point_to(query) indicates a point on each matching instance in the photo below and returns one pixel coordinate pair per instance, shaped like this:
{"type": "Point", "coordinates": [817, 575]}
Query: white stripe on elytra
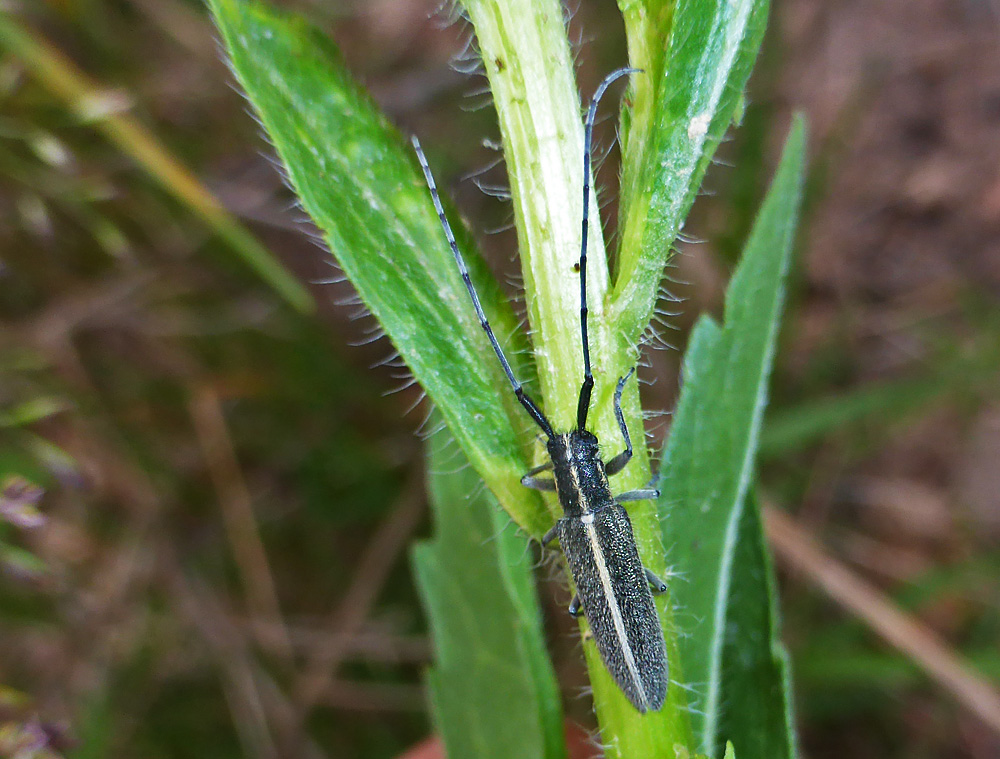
{"type": "Point", "coordinates": [581, 502]}
{"type": "Point", "coordinates": [616, 614]}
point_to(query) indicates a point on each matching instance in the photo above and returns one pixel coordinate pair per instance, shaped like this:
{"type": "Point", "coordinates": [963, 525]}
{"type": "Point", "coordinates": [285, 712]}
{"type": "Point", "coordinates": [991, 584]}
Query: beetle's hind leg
{"type": "Point", "coordinates": [539, 483]}
{"type": "Point", "coordinates": [655, 583]}
{"type": "Point", "coordinates": [575, 606]}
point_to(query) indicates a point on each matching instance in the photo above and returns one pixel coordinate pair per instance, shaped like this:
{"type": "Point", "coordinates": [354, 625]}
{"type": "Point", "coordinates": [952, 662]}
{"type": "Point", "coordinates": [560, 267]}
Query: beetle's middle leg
{"type": "Point", "coordinates": [551, 534]}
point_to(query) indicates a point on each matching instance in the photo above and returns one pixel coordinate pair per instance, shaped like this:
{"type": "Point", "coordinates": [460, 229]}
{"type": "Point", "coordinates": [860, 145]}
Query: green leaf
{"type": "Point", "coordinates": [951, 373]}
{"type": "Point", "coordinates": [362, 187]}
{"type": "Point", "coordinates": [493, 690]}
{"type": "Point", "coordinates": [755, 672]}
{"type": "Point", "coordinates": [707, 471]}
{"type": "Point", "coordinates": [32, 411]}
{"type": "Point", "coordinates": [681, 108]}
{"type": "Point", "coordinates": [529, 63]}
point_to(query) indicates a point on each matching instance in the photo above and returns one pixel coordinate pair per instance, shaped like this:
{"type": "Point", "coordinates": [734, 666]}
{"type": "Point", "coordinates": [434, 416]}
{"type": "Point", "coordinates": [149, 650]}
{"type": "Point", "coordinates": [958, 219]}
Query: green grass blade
{"type": "Point", "coordinates": [708, 464]}
{"type": "Point", "coordinates": [793, 428]}
{"type": "Point", "coordinates": [951, 374]}
{"type": "Point", "coordinates": [682, 106]}
{"type": "Point", "coordinates": [361, 185]}
{"type": "Point", "coordinates": [493, 690]}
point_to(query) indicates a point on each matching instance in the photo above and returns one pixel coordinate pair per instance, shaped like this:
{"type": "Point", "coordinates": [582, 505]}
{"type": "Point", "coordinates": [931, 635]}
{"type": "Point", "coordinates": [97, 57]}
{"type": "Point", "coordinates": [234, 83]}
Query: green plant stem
{"type": "Point", "coordinates": [528, 61]}
{"type": "Point", "coordinates": [527, 58]}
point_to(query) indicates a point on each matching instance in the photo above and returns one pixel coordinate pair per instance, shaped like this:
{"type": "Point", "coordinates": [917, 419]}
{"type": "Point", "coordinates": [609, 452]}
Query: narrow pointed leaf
{"type": "Point", "coordinates": [755, 675]}
{"type": "Point", "coordinates": [493, 690]}
{"type": "Point", "coordinates": [691, 92]}
{"type": "Point", "coordinates": [707, 471]}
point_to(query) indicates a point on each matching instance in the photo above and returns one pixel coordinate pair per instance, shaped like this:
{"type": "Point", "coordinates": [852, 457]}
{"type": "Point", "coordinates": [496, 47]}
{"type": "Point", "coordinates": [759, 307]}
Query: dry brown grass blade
{"type": "Point", "coordinates": [250, 717]}
{"type": "Point", "coordinates": [241, 524]}
{"type": "Point", "coordinates": [381, 553]}
{"type": "Point", "coordinates": [797, 549]}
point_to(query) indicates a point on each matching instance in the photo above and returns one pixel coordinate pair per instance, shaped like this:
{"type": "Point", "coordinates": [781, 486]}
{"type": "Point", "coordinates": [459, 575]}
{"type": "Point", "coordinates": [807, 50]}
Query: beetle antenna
{"type": "Point", "coordinates": [522, 396]}
{"type": "Point", "coordinates": [588, 376]}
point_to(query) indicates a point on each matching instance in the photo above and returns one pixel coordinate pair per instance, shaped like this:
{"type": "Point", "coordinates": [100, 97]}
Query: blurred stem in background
{"type": "Point", "coordinates": [104, 109]}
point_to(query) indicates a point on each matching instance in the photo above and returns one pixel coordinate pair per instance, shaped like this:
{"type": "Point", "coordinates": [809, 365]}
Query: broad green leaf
{"type": "Point", "coordinates": [707, 471]}
{"type": "Point", "coordinates": [362, 186]}
{"type": "Point", "coordinates": [493, 690]}
{"type": "Point", "coordinates": [691, 92]}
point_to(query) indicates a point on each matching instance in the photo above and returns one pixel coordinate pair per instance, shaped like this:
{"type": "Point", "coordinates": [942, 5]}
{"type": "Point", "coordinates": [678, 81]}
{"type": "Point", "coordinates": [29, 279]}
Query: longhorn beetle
{"type": "Point", "coordinates": [595, 533]}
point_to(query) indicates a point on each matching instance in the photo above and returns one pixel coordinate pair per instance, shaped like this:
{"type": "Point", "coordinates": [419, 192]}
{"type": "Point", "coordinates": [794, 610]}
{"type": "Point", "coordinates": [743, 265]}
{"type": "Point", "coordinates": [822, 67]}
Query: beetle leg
{"type": "Point", "coordinates": [655, 582]}
{"type": "Point", "coordinates": [642, 494]}
{"type": "Point", "coordinates": [539, 483]}
{"type": "Point", "coordinates": [648, 493]}
{"type": "Point", "coordinates": [574, 606]}
{"type": "Point", "coordinates": [618, 462]}
{"type": "Point", "coordinates": [550, 535]}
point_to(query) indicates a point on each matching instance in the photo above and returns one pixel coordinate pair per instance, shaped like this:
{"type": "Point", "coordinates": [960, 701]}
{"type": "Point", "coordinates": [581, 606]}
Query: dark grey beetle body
{"type": "Point", "coordinates": [596, 537]}
{"type": "Point", "coordinates": [595, 532]}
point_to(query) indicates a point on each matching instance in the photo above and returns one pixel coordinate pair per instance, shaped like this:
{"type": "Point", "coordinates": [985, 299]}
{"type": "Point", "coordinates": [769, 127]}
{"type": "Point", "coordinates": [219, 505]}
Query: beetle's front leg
{"type": "Point", "coordinates": [618, 462]}
{"type": "Point", "coordinates": [642, 494]}
{"type": "Point", "coordinates": [648, 493]}
{"type": "Point", "coordinates": [539, 483]}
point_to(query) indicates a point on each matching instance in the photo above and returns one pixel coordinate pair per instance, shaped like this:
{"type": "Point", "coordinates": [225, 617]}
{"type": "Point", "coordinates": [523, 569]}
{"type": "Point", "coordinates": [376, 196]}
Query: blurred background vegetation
{"type": "Point", "coordinates": [208, 494]}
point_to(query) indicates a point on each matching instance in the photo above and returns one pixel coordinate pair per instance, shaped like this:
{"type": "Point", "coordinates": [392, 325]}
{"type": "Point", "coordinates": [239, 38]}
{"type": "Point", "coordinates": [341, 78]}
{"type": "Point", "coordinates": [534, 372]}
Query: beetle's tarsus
{"type": "Point", "coordinates": [655, 583]}
{"type": "Point", "coordinates": [574, 607]}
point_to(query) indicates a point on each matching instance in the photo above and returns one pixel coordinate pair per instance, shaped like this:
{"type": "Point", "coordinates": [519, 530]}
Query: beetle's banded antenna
{"type": "Point", "coordinates": [522, 396]}
{"type": "Point", "coordinates": [583, 406]}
